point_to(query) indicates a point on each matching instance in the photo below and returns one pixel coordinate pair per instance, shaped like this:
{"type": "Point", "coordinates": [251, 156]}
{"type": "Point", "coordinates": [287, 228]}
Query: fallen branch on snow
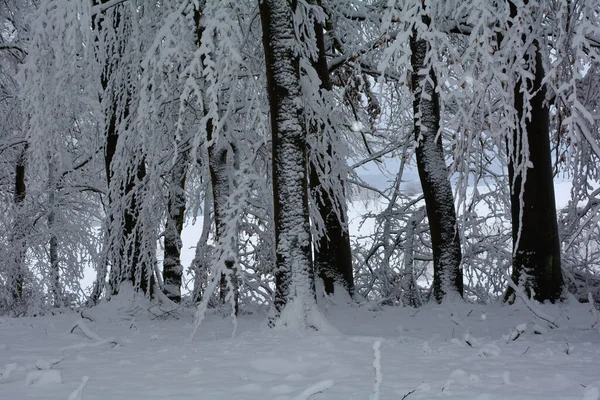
{"type": "Point", "coordinates": [90, 335]}
{"type": "Point", "coordinates": [80, 346]}
{"type": "Point", "coordinates": [529, 303]}
{"type": "Point", "coordinates": [314, 389]}
{"type": "Point", "coordinates": [85, 330]}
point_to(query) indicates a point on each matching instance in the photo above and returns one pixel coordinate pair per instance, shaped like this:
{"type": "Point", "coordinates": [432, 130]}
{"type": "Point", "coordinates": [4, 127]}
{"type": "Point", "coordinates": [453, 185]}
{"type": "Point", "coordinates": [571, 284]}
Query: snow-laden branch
{"type": "Point", "coordinates": [530, 303]}
{"type": "Point", "coordinates": [318, 387]}
{"type": "Point", "coordinates": [99, 8]}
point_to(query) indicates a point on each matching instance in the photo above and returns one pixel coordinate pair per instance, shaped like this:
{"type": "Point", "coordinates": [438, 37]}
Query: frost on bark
{"type": "Point", "coordinates": [536, 264]}
{"type": "Point", "coordinates": [433, 173]}
{"type": "Point", "coordinates": [333, 255]}
{"type": "Point", "coordinates": [53, 242]}
{"type": "Point", "coordinates": [172, 268]}
{"type": "Point", "coordinates": [220, 160]}
{"type": "Point", "coordinates": [18, 235]}
{"type": "Point", "coordinates": [294, 277]}
{"type": "Point", "coordinates": [126, 262]}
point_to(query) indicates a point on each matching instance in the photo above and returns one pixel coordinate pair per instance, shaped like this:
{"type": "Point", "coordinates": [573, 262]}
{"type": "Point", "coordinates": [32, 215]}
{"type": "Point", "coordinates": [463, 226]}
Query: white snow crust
{"type": "Point", "coordinates": [366, 356]}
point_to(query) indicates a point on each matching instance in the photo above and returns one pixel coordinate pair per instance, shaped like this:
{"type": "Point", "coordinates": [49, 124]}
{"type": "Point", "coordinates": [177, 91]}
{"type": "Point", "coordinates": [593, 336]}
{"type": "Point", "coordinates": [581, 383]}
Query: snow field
{"type": "Point", "coordinates": [457, 351]}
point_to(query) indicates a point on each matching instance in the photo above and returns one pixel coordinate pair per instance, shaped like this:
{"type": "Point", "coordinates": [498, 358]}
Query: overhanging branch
{"type": "Point", "coordinates": [98, 8]}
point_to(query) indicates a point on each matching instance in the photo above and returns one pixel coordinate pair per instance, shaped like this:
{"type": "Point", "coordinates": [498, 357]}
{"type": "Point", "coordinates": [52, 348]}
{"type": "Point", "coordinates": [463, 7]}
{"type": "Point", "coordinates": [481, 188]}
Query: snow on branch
{"type": "Point", "coordinates": [530, 303]}
{"type": "Point", "coordinates": [98, 341]}
{"type": "Point", "coordinates": [318, 387]}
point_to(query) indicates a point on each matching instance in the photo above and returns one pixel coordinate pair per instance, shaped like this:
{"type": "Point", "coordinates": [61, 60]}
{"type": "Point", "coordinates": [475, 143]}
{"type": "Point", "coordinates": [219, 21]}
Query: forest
{"type": "Point", "coordinates": [126, 120]}
{"type": "Point", "coordinates": [365, 192]}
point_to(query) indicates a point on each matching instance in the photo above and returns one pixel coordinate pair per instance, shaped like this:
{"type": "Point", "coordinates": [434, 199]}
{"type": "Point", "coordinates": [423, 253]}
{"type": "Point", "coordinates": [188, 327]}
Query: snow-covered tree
{"type": "Point", "coordinates": [294, 277]}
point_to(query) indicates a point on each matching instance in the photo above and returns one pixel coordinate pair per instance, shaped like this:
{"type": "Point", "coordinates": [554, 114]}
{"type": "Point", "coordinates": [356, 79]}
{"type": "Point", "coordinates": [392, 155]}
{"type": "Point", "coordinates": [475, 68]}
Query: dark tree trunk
{"type": "Point", "coordinates": [294, 276]}
{"type": "Point", "coordinates": [536, 244]}
{"type": "Point", "coordinates": [433, 173]}
{"type": "Point", "coordinates": [536, 262]}
{"type": "Point", "coordinates": [172, 268]}
{"type": "Point", "coordinates": [132, 267]}
{"type": "Point", "coordinates": [18, 236]}
{"type": "Point", "coordinates": [333, 255]}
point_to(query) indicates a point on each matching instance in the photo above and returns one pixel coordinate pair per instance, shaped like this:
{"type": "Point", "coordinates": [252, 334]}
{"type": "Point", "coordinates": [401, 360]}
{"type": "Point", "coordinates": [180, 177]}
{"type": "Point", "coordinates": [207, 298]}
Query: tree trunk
{"type": "Point", "coordinates": [220, 157]}
{"type": "Point", "coordinates": [202, 256]}
{"type": "Point", "coordinates": [333, 255]}
{"type": "Point", "coordinates": [294, 276]}
{"type": "Point", "coordinates": [53, 242]}
{"type": "Point", "coordinates": [433, 173]}
{"type": "Point", "coordinates": [126, 264]}
{"type": "Point", "coordinates": [220, 176]}
{"type": "Point", "coordinates": [172, 268]}
{"type": "Point", "coordinates": [536, 262]}
{"type": "Point", "coordinates": [411, 296]}
{"type": "Point", "coordinates": [131, 266]}
{"type": "Point", "coordinates": [18, 236]}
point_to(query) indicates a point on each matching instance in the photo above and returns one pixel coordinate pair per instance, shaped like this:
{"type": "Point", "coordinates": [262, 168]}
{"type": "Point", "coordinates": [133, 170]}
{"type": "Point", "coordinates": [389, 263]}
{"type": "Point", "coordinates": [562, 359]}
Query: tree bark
{"type": "Point", "coordinates": [18, 235]}
{"type": "Point", "coordinates": [333, 255]}
{"type": "Point", "coordinates": [536, 264]}
{"type": "Point", "coordinates": [220, 162]}
{"type": "Point", "coordinates": [53, 242]}
{"type": "Point", "coordinates": [126, 263]}
{"type": "Point", "coordinates": [433, 173]}
{"type": "Point", "coordinates": [220, 175]}
{"type": "Point", "coordinates": [172, 268]}
{"type": "Point", "coordinates": [294, 276]}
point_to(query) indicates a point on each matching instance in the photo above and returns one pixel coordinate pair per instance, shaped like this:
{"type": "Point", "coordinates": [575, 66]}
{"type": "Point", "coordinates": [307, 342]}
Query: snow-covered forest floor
{"type": "Point", "coordinates": [128, 350]}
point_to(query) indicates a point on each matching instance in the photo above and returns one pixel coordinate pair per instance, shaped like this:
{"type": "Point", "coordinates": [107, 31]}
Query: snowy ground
{"type": "Point", "coordinates": [459, 351]}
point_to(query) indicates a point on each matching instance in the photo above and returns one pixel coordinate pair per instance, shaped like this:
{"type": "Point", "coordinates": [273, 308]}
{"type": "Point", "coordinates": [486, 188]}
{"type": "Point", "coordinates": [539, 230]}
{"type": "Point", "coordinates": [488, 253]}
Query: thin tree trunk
{"type": "Point", "coordinates": [172, 268]}
{"type": "Point", "coordinates": [18, 237]}
{"type": "Point", "coordinates": [294, 276]}
{"type": "Point", "coordinates": [433, 173]}
{"type": "Point", "coordinates": [202, 255]}
{"type": "Point", "coordinates": [410, 290]}
{"type": "Point", "coordinates": [53, 242]}
{"type": "Point", "coordinates": [220, 176]}
{"type": "Point", "coordinates": [220, 157]}
{"type": "Point", "coordinates": [333, 255]}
